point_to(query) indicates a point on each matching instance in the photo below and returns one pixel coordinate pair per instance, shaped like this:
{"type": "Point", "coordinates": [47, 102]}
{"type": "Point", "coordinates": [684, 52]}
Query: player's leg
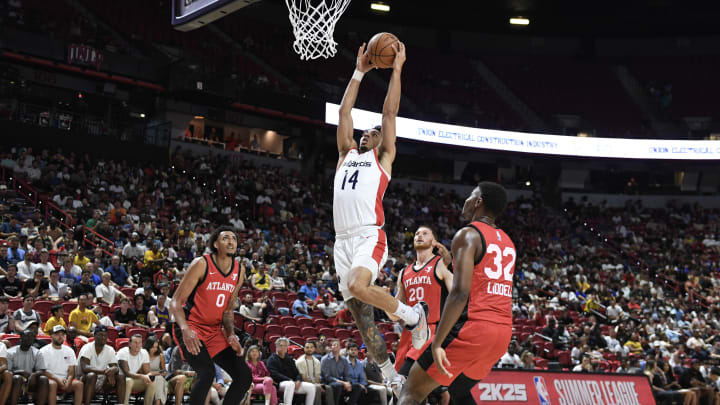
{"type": "Point", "coordinates": [239, 372]}
{"type": "Point", "coordinates": [419, 385]}
{"type": "Point", "coordinates": [406, 366]}
{"type": "Point", "coordinates": [460, 390]}
{"type": "Point", "coordinates": [203, 365]}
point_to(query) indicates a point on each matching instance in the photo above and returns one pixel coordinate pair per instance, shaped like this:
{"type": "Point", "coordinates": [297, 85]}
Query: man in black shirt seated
{"type": "Point", "coordinates": [10, 284]}
{"type": "Point", "coordinates": [85, 286]}
{"type": "Point", "coordinates": [124, 317]}
{"type": "Point", "coordinates": [36, 286]}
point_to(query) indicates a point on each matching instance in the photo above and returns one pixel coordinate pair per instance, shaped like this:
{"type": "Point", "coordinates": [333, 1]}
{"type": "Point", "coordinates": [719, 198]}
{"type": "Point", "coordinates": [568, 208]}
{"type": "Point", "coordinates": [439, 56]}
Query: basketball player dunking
{"type": "Point", "coordinates": [476, 323]}
{"type": "Point", "coordinates": [427, 279]}
{"type": "Point", "coordinates": [361, 178]}
{"type": "Point", "coordinates": [203, 310]}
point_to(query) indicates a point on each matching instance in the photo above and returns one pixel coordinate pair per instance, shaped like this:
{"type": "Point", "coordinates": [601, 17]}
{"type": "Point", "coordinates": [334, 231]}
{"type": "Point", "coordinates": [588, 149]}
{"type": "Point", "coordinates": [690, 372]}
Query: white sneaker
{"type": "Point", "coordinates": [421, 330]}
{"type": "Point", "coordinates": [397, 384]}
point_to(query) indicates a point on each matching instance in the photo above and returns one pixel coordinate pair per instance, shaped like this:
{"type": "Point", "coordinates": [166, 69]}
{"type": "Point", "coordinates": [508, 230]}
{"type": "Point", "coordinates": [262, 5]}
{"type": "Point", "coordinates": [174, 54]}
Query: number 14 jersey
{"type": "Point", "coordinates": [360, 184]}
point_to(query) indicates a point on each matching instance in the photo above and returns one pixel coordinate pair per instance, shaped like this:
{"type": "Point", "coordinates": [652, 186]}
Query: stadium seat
{"type": "Point", "coordinates": [541, 363]}
{"type": "Point", "coordinates": [309, 332]}
{"type": "Point", "coordinates": [291, 330]}
{"type": "Point", "coordinates": [121, 342]}
{"type": "Point", "coordinates": [321, 323]}
{"type": "Point", "coordinates": [287, 321]}
{"type": "Point", "coordinates": [342, 335]}
{"type": "Point", "coordinates": [132, 331]}
{"type": "Point", "coordinates": [391, 337]}
{"type": "Point", "coordinates": [328, 332]}
{"type": "Point", "coordinates": [43, 307]}
{"type": "Point", "coordinates": [357, 337]}
{"type": "Point", "coordinates": [304, 322]}
{"type": "Point", "coordinates": [273, 330]}
{"type": "Point", "coordinates": [128, 291]}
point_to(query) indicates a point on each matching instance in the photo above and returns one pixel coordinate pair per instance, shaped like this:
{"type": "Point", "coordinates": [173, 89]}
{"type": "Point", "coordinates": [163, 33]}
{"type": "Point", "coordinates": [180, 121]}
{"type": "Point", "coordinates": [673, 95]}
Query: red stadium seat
{"type": "Point", "coordinates": [291, 331]}
{"type": "Point", "coordinates": [309, 332]}
{"type": "Point", "coordinates": [342, 335]}
{"type": "Point", "coordinates": [131, 331]}
{"type": "Point", "coordinates": [564, 358]}
{"type": "Point", "coordinates": [298, 340]}
{"type": "Point", "coordinates": [328, 332]}
{"type": "Point", "coordinates": [238, 321]}
{"type": "Point", "coordinates": [357, 337]}
{"type": "Point", "coordinates": [391, 337]}
{"type": "Point", "coordinates": [43, 307]}
{"type": "Point", "coordinates": [112, 336]}
{"type": "Point", "coordinates": [121, 342]}
{"type": "Point", "coordinates": [304, 322]}
{"type": "Point", "coordinates": [287, 321]}
{"type": "Point", "coordinates": [11, 337]}
{"type": "Point", "coordinates": [282, 304]}
{"type": "Point", "coordinates": [321, 323]}
{"type": "Point", "coordinates": [541, 363]}
{"type": "Point", "coordinates": [273, 330]}
{"type": "Point", "coordinates": [128, 291]}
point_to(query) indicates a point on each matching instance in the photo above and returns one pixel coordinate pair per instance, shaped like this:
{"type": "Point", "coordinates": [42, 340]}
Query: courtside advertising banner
{"type": "Point", "coordinates": [533, 387]}
{"type": "Point", "coordinates": [524, 142]}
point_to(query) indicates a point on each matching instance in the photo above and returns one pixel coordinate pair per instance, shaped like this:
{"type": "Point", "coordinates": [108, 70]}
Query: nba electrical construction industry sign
{"type": "Point", "coordinates": [557, 388]}
{"type": "Point", "coordinates": [525, 142]}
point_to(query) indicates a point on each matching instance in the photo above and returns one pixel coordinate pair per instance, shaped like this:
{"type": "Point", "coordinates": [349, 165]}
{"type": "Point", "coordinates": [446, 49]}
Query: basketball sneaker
{"type": "Point", "coordinates": [421, 330]}
{"type": "Point", "coordinates": [397, 384]}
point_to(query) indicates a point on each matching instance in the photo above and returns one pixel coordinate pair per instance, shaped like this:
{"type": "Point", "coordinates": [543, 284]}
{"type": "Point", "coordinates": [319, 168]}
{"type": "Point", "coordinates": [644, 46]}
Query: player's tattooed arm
{"type": "Point", "coordinates": [365, 320]}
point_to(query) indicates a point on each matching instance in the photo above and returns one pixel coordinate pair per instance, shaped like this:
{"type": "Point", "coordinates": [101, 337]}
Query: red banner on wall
{"type": "Point", "coordinates": [555, 388]}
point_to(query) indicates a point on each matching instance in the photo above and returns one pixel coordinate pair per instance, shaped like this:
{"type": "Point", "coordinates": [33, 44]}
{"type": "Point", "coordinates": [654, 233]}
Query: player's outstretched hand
{"type": "Point", "coordinates": [363, 60]}
{"type": "Point", "coordinates": [400, 56]}
{"type": "Point", "coordinates": [192, 343]}
{"type": "Point", "coordinates": [444, 252]}
{"type": "Point", "coordinates": [441, 360]}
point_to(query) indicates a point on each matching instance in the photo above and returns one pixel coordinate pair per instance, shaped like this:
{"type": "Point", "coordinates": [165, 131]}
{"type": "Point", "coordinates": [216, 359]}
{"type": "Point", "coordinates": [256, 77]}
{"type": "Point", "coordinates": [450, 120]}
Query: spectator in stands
{"type": "Point", "coordinates": [56, 290]}
{"type": "Point", "coordinates": [157, 367]}
{"type": "Point", "coordinates": [28, 368]}
{"type": "Point", "coordinates": [527, 360]}
{"type": "Point", "coordinates": [118, 273]}
{"type": "Point", "coordinates": [99, 366]}
{"type": "Point", "coordinates": [375, 379]}
{"type": "Point", "coordinates": [147, 294]}
{"type": "Point", "coordinates": [311, 292]}
{"type": "Point", "coordinates": [585, 365]}
{"type": "Point", "coordinates": [309, 368]}
{"type": "Point", "coordinates": [15, 253]}
{"type": "Point", "coordinates": [250, 309]}
{"type": "Point", "coordinates": [159, 314]}
{"type": "Point", "coordinates": [82, 319]}
{"type": "Point", "coordinates": [25, 268]}
{"type": "Point", "coordinates": [328, 308]}
{"type": "Point", "coordinates": [134, 363]}
{"type": "Point", "coordinates": [44, 238]}
{"type": "Point", "coordinates": [285, 373]}
{"type": "Point", "coordinates": [10, 284]}
{"type": "Point", "coordinates": [262, 382]}
{"type": "Point", "coordinates": [124, 316]}
{"type": "Point", "coordinates": [5, 316]}
{"type": "Point", "coordinates": [69, 272]}
{"type": "Point", "coordinates": [180, 372]}
{"type": "Point", "coordinates": [141, 311]}
{"type": "Point", "coordinates": [260, 281]}
{"type": "Point", "coordinates": [153, 258]}
{"type": "Point", "coordinates": [511, 359]}
{"type": "Point", "coordinates": [80, 259]}
{"type": "Point", "coordinates": [344, 318]}
{"type": "Point", "coordinates": [3, 258]}
{"type": "Point", "coordinates": [10, 229]}
{"type": "Point", "coordinates": [56, 318]}
{"type": "Point", "coordinates": [36, 287]}
{"type": "Point", "coordinates": [26, 314]}
{"type": "Point", "coordinates": [85, 286]}
{"type": "Point", "coordinates": [336, 373]}
{"type": "Point", "coordinates": [133, 251]}
{"type": "Point", "coordinates": [277, 283]}
{"type": "Point", "coordinates": [300, 307]}
{"type": "Point", "coordinates": [60, 362]}
{"type": "Point", "coordinates": [356, 375]}
{"type": "Point", "coordinates": [662, 391]}
{"type": "Point", "coordinates": [691, 378]}
{"type": "Point", "coordinates": [44, 263]}
{"type": "Point", "coordinates": [107, 293]}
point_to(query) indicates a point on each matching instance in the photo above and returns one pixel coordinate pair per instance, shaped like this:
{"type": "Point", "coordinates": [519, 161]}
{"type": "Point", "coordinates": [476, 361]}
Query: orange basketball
{"type": "Point", "coordinates": [380, 50]}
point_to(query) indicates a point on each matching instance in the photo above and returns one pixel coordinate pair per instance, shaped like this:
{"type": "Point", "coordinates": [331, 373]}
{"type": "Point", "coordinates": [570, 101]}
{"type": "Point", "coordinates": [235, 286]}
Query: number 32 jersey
{"type": "Point", "coordinates": [360, 184]}
{"type": "Point", "coordinates": [492, 282]}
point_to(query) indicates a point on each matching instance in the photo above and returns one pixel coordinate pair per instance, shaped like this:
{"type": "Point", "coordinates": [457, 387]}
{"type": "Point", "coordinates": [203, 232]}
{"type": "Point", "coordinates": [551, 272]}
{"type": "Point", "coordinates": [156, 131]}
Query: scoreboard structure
{"type": "Point", "coordinates": [188, 15]}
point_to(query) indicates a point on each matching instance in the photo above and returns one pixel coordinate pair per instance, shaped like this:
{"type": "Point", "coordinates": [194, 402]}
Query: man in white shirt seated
{"type": "Point", "coordinates": [135, 366]}
{"type": "Point", "coordinates": [57, 291]}
{"type": "Point", "coordinates": [329, 309]}
{"type": "Point", "coordinates": [25, 268]}
{"type": "Point", "coordinates": [60, 362]}
{"type": "Point", "coordinates": [44, 264]}
{"type": "Point", "coordinates": [106, 292]}
{"type": "Point", "coordinates": [511, 359]}
{"type": "Point", "coordinates": [28, 367]}
{"type": "Point", "coordinates": [98, 366]}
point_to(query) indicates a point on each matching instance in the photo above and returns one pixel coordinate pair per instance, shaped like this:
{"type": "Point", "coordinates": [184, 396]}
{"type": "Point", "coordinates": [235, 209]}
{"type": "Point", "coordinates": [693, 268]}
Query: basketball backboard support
{"type": "Point", "coordinates": [188, 15]}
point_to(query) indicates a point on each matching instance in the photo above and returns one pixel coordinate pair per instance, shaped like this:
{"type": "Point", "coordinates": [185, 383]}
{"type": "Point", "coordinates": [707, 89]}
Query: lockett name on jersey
{"type": "Point", "coordinates": [219, 286]}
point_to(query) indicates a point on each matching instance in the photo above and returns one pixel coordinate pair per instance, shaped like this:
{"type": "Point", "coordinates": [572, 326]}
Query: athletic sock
{"type": "Point", "coordinates": [388, 370]}
{"type": "Point", "coordinates": [407, 314]}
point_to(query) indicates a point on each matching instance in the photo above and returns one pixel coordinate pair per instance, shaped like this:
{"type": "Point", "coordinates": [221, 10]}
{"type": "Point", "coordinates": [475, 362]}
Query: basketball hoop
{"type": "Point", "coordinates": [313, 26]}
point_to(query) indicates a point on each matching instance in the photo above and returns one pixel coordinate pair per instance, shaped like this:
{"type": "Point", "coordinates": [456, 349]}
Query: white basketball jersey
{"type": "Point", "coordinates": [360, 184]}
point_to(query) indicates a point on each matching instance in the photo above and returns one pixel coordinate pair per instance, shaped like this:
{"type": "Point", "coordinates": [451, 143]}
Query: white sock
{"type": "Point", "coordinates": [388, 370]}
{"type": "Point", "coordinates": [407, 314]}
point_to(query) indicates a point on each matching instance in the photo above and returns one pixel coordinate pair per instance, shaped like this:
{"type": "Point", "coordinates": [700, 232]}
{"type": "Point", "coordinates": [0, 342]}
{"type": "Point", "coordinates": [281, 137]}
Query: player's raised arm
{"type": "Point", "coordinates": [192, 277]}
{"type": "Point", "coordinates": [464, 248]}
{"type": "Point", "coordinates": [345, 124]}
{"type": "Point", "coordinates": [391, 108]}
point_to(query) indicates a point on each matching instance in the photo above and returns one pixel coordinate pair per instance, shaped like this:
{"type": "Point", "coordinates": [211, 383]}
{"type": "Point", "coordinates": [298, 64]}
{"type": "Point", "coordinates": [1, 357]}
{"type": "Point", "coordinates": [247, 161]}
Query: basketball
{"type": "Point", "coordinates": [380, 50]}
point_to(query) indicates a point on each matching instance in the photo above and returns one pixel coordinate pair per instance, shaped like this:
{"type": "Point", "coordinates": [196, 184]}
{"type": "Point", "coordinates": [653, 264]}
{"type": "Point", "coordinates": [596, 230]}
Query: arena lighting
{"type": "Point", "coordinates": [523, 142]}
{"type": "Point", "coordinates": [519, 21]}
{"type": "Point", "coordinates": [380, 7]}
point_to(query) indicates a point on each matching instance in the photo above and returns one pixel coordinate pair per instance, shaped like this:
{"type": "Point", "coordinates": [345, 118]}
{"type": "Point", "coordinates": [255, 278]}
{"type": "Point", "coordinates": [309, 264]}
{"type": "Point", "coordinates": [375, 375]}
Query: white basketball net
{"type": "Point", "coordinates": [313, 26]}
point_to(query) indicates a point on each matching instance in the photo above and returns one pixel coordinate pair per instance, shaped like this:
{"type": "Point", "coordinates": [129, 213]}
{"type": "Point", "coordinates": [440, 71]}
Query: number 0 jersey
{"type": "Point", "coordinates": [423, 285]}
{"type": "Point", "coordinates": [211, 295]}
{"type": "Point", "coordinates": [360, 184]}
{"type": "Point", "coordinates": [492, 281]}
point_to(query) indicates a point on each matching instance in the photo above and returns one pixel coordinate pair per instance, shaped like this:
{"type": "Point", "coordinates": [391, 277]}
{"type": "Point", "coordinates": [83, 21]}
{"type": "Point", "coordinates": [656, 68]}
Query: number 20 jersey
{"type": "Point", "coordinates": [492, 282]}
{"type": "Point", "coordinates": [424, 285]}
{"type": "Point", "coordinates": [360, 184]}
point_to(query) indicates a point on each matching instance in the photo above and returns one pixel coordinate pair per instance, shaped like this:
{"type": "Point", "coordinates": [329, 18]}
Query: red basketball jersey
{"type": "Point", "coordinates": [492, 283]}
{"type": "Point", "coordinates": [211, 295]}
{"type": "Point", "coordinates": [422, 284]}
